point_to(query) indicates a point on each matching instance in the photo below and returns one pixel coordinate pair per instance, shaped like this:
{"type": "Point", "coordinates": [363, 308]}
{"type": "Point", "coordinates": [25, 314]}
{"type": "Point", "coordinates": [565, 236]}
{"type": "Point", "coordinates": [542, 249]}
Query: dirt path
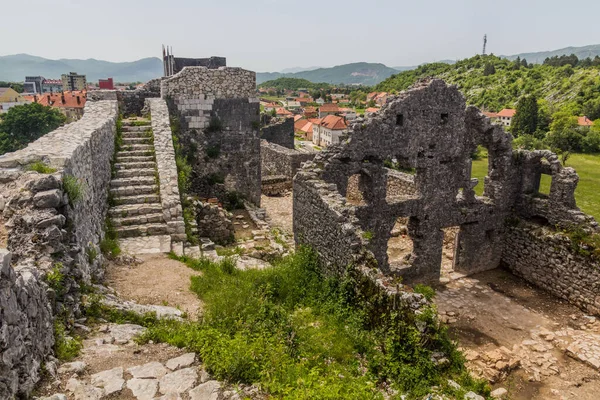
{"type": "Point", "coordinates": [279, 212]}
{"type": "Point", "coordinates": [521, 337]}
{"type": "Point", "coordinates": [157, 280]}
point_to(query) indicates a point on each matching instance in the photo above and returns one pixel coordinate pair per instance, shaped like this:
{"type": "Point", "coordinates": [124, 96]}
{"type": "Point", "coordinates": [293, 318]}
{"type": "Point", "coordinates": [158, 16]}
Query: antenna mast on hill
{"type": "Point", "coordinates": [484, 43]}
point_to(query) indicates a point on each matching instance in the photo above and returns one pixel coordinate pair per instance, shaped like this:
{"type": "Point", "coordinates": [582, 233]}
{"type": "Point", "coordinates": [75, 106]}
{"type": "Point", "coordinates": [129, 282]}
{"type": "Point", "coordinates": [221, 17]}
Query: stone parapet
{"type": "Point", "coordinates": [167, 169]}
{"type": "Point", "coordinates": [52, 222]}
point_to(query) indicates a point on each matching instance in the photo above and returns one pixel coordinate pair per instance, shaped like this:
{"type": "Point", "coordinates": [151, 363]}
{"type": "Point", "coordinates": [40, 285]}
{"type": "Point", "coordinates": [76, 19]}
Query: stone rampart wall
{"type": "Point", "coordinates": [52, 221]}
{"type": "Point", "coordinates": [279, 132]}
{"type": "Point", "coordinates": [279, 160]}
{"type": "Point", "coordinates": [167, 169]}
{"type": "Point", "coordinates": [547, 259]}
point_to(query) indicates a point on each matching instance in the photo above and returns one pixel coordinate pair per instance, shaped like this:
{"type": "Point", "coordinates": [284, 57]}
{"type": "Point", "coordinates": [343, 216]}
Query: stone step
{"type": "Point", "coordinates": [136, 140]}
{"type": "Point", "coordinates": [133, 181]}
{"type": "Point", "coordinates": [142, 219]}
{"type": "Point", "coordinates": [131, 147]}
{"type": "Point", "coordinates": [135, 134]}
{"type": "Point", "coordinates": [131, 123]}
{"type": "Point", "coordinates": [131, 153]}
{"type": "Point", "coordinates": [134, 159]}
{"type": "Point", "coordinates": [135, 165]}
{"type": "Point", "coordinates": [130, 210]}
{"type": "Point", "coordinates": [121, 191]}
{"type": "Point", "coordinates": [129, 173]}
{"type": "Point", "coordinates": [138, 199]}
{"type": "Point", "coordinates": [146, 244]}
{"type": "Point", "coordinates": [141, 230]}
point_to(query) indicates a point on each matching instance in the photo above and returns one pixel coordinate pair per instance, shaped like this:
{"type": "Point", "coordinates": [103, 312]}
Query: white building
{"type": "Point", "coordinates": [329, 131]}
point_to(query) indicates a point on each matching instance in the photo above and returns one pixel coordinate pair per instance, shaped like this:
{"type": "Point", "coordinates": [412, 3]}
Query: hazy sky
{"type": "Point", "coordinates": [269, 35]}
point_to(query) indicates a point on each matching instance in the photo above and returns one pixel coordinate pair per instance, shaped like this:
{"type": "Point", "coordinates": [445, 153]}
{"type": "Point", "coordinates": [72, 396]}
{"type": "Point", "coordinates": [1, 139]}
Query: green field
{"type": "Point", "coordinates": [588, 189]}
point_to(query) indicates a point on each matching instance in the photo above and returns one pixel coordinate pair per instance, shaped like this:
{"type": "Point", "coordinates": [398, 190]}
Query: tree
{"type": "Point", "coordinates": [564, 135]}
{"type": "Point", "coordinates": [489, 69]}
{"type": "Point", "coordinates": [23, 124]}
{"type": "Point", "coordinates": [525, 121]}
{"type": "Point", "coordinates": [524, 63]}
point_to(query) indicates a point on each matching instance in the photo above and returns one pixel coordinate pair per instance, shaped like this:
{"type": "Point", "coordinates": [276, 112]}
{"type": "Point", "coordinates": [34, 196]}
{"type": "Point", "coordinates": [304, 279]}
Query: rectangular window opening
{"type": "Point", "coordinates": [400, 119]}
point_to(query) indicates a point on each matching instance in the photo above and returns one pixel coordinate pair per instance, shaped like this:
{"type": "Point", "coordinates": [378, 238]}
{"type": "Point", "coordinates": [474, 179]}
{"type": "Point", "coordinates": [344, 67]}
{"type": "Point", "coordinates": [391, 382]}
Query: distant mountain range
{"type": "Point", "coordinates": [539, 57]}
{"type": "Point", "coordinates": [356, 73]}
{"type": "Point", "coordinates": [14, 68]}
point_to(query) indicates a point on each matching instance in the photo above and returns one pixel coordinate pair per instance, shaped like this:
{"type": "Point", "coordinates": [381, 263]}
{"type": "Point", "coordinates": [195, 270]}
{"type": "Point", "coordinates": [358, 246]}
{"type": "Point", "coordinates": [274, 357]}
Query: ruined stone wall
{"type": "Point", "coordinates": [132, 101]}
{"type": "Point", "coordinates": [279, 131]}
{"type": "Point", "coordinates": [546, 258]}
{"type": "Point", "coordinates": [167, 170]}
{"type": "Point", "coordinates": [26, 325]}
{"type": "Point", "coordinates": [278, 167]}
{"type": "Point", "coordinates": [52, 220]}
{"type": "Point", "coordinates": [278, 160]}
{"type": "Point", "coordinates": [400, 184]}
{"type": "Point", "coordinates": [429, 129]}
{"type": "Point", "coordinates": [219, 119]}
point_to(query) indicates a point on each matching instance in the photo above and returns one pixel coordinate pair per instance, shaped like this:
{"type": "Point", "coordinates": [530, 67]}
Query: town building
{"type": "Point", "coordinates": [329, 131]}
{"type": "Point", "coordinates": [52, 86]}
{"type": "Point", "coordinates": [328, 109]}
{"type": "Point", "coordinates": [320, 101]}
{"type": "Point", "coordinates": [348, 113]}
{"type": "Point", "coordinates": [584, 121]}
{"type": "Point", "coordinates": [282, 112]}
{"type": "Point", "coordinates": [33, 84]}
{"type": "Point", "coordinates": [73, 81]}
{"type": "Point", "coordinates": [505, 116]}
{"type": "Point", "coordinates": [310, 112]}
{"type": "Point", "coordinates": [10, 98]}
{"type": "Point", "coordinates": [71, 104]}
{"type": "Point", "coordinates": [106, 84]}
{"type": "Point", "coordinates": [379, 98]}
{"type": "Point", "coordinates": [293, 105]}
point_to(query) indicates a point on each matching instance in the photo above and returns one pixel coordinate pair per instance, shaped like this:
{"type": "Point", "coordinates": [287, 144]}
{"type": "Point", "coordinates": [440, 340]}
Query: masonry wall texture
{"type": "Point", "coordinates": [278, 167]}
{"type": "Point", "coordinates": [279, 131]}
{"type": "Point", "coordinates": [167, 169]}
{"type": "Point", "coordinates": [545, 257]}
{"type": "Point", "coordinates": [219, 120]}
{"type": "Point", "coordinates": [429, 130]}
{"type": "Point", "coordinates": [45, 228]}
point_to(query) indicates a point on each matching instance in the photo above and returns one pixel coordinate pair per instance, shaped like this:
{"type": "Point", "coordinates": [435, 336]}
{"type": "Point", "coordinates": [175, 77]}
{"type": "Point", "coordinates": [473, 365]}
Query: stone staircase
{"type": "Point", "coordinates": [136, 212]}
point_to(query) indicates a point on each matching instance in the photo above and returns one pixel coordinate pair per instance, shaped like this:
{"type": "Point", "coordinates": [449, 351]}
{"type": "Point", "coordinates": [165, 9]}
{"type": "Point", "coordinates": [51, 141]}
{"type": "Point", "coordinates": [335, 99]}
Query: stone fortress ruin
{"type": "Point", "coordinates": [349, 198]}
{"type": "Point", "coordinates": [409, 164]}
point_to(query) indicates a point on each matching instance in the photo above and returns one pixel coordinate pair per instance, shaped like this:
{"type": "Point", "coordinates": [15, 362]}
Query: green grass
{"type": "Point", "coordinates": [41, 168]}
{"type": "Point", "coordinates": [73, 187]}
{"type": "Point", "coordinates": [301, 335]}
{"type": "Point", "coordinates": [586, 194]}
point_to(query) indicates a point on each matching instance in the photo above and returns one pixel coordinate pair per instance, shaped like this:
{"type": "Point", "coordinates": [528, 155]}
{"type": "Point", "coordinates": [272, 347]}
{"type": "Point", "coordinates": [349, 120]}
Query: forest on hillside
{"type": "Point", "coordinates": [493, 83]}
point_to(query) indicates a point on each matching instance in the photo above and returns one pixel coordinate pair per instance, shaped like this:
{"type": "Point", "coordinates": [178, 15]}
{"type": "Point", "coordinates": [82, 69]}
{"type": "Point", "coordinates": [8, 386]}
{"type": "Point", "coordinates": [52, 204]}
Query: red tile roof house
{"type": "Point", "coordinates": [584, 121]}
{"type": "Point", "coordinates": [282, 112]}
{"type": "Point", "coordinates": [505, 116]}
{"type": "Point", "coordinates": [71, 104]}
{"type": "Point", "coordinates": [304, 128]}
{"type": "Point", "coordinates": [329, 131]}
{"type": "Point", "coordinates": [328, 109]}
{"type": "Point", "coordinates": [310, 112]}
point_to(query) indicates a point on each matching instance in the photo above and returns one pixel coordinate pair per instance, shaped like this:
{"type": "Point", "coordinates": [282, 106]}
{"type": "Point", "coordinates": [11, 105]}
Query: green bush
{"type": "Point", "coordinates": [41, 168]}
{"type": "Point", "coordinates": [427, 291]}
{"type": "Point", "coordinates": [214, 125]}
{"type": "Point", "coordinates": [56, 280]}
{"type": "Point", "coordinates": [73, 188]}
{"type": "Point", "coordinates": [213, 151]}
{"type": "Point", "coordinates": [66, 347]}
{"type": "Point", "coordinates": [302, 335]}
